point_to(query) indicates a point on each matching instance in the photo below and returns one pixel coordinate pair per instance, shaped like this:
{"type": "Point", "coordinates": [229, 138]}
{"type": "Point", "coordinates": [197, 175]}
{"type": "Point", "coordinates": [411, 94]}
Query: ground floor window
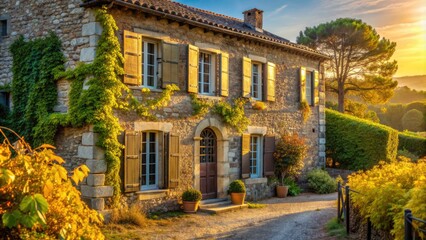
{"type": "Point", "coordinates": [150, 157]}
{"type": "Point", "coordinates": [255, 156]}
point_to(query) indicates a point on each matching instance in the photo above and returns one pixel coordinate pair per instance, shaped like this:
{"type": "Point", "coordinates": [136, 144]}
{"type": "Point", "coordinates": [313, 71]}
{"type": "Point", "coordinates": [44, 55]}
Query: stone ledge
{"type": "Point", "coordinates": [152, 194]}
{"type": "Point", "coordinates": [96, 192]}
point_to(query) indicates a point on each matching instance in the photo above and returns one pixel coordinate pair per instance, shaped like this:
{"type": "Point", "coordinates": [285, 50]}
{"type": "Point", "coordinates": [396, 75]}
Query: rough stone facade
{"type": "Point", "coordinates": [77, 29]}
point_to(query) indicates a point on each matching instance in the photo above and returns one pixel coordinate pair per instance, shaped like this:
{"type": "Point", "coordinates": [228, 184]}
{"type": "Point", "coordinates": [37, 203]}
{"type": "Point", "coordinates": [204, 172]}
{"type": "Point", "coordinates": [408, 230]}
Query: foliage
{"type": "Point", "coordinates": [355, 109]}
{"type": "Point", "coordinates": [388, 189]}
{"type": "Point", "coordinates": [413, 144]}
{"type": "Point", "coordinates": [145, 107]}
{"type": "Point", "coordinates": [321, 182]}
{"type": "Point", "coordinates": [293, 188]}
{"type": "Point", "coordinates": [237, 186]}
{"type": "Point", "coordinates": [133, 215]}
{"type": "Point", "coordinates": [413, 120]}
{"type": "Point", "coordinates": [335, 228]}
{"type": "Point", "coordinates": [306, 110]}
{"type": "Point", "coordinates": [38, 199]}
{"type": "Point", "coordinates": [259, 105]}
{"type": "Point", "coordinates": [200, 106]}
{"type": "Point", "coordinates": [392, 114]}
{"type": "Point", "coordinates": [234, 114]}
{"type": "Point", "coordinates": [360, 60]}
{"type": "Point", "coordinates": [33, 88]}
{"type": "Point", "coordinates": [405, 95]}
{"type": "Point", "coordinates": [255, 205]}
{"type": "Point", "coordinates": [191, 195]}
{"type": "Point", "coordinates": [355, 143]}
{"type": "Point", "coordinates": [289, 154]}
{"type": "Point", "coordinates": [407, 154]}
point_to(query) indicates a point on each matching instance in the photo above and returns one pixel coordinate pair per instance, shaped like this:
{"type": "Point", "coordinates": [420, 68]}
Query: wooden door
{"type": "Point", "coordinates": [208, 164]}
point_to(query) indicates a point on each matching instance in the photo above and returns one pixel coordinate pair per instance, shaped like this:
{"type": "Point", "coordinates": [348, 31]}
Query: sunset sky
{"type": "Point", "coordinates": [401, 21]}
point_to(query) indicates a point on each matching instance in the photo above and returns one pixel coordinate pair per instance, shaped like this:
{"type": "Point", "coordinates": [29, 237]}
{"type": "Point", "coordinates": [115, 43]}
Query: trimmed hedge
{"type": "Point", "coordinates": [413, 144]}
{"type": "Point", "coordinates": [357, 144]}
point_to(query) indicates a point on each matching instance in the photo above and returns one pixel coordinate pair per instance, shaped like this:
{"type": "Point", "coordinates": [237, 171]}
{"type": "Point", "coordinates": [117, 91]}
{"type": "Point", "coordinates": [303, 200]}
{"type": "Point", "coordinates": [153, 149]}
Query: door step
{"type": "Point", "coordinates": [219, 206]}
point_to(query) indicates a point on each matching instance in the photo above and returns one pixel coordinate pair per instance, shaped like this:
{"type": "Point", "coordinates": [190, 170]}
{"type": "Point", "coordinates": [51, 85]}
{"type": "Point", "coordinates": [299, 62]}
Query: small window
{"type": "Point", "coordinates": [149, 160]}
{"type": "Point", "coordinates": [256, 83]}
{"type": "Point", "coordinates": [309, 87]}
{"type": "Point", "coordinates": [4, 101]}
{"type": "Point", "coordinates": [206, 74]}
{"type": "Point", "coordinates": [255, 156]}
{"type": "Point", "coordinates": [3, 29]}
{"type": "Point", "coordinates": [150, 64]}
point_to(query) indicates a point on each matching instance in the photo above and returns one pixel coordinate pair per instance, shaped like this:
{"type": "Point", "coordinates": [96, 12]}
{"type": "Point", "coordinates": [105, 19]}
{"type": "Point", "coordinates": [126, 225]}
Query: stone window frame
{"type": "Point", "coordinates": [5, 18]}
{"type": "Point", "coordinates": [256, 59]}
{"type": "Point", "coordinates": [258, 131]}
{"type": "Point", "coordinates": [213, 73]}
{"type": "Point", "coordinates": [215, 51]}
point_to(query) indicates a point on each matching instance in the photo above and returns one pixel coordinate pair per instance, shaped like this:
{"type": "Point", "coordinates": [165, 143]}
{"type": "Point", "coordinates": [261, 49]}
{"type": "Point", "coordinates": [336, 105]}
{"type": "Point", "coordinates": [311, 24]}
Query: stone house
{"type": "Point", "coordinates": [215, 57]}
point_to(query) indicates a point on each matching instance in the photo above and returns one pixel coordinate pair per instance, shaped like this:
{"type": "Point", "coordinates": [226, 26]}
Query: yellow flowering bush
{"type": "Point", "coordinates": [37, 197]}
{"type": "Point", "coordinates": [388, 189]}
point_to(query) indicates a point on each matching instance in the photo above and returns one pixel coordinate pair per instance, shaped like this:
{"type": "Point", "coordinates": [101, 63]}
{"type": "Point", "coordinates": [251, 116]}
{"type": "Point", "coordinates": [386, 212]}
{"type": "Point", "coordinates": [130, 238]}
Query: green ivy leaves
{"type": "Point", "coordinates": [31, 211]}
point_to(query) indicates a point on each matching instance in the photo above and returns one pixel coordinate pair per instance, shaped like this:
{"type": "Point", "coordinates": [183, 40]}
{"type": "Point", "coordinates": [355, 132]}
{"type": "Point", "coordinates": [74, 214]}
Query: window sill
{"type": "Point", "coordinates": [211, 97]}
{"type": "Point", "coordinates": [152, 194]}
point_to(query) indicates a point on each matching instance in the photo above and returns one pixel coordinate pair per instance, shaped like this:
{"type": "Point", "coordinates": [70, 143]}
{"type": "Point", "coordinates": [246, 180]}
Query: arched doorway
{"type": "Point", "coordinates": [208, 163]}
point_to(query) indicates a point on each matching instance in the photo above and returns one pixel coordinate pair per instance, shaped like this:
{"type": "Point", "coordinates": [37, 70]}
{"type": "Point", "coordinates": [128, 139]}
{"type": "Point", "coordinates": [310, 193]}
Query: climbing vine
{"type": "Point", "coordinates": [233, 114]}
{"type": "Point", "coordinates": [200, 106]}
{"type": "Point", "coordinates": [306, 110]}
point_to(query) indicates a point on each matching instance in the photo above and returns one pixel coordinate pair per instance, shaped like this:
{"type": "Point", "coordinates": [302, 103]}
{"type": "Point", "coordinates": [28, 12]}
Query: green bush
{"type": "Point", "coordinates": [293, 188]}
{"type": "Point", "coordinates": [413, 121]}
{"type": "Point", "coordinates": [237, 186]}
{"type": "Point", "coordinates": [321, 182]}
{"type": "Point", "coordinates": [191, 195]}
{"type": "Point", "coordinates": [356, 144]}
{"type": "Point", "coordinates": [412, 143]}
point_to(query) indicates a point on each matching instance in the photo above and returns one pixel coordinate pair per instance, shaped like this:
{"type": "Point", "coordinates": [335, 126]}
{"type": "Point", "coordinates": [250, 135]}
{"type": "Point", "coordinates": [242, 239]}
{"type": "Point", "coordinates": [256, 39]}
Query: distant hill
{"type": "Point", "coordinates": [406, 95]}
{"type": "Point", "coordinates": [413, 82]}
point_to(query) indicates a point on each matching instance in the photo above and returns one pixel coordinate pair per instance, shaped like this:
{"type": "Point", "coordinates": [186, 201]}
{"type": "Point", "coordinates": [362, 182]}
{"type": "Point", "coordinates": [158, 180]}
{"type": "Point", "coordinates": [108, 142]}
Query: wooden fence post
{"type": "Point", "coordinates": [338, 201]}
{"type": "Point", "coordinates": [347, 209]}
{"type": "Point", "coordinates": [407, 225]}
{"type": "Point", "coordinates": [368, 229]}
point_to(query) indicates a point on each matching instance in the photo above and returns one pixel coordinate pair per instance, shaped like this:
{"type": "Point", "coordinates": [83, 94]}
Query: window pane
{"type": "Point", "coordinates": [151, 179]}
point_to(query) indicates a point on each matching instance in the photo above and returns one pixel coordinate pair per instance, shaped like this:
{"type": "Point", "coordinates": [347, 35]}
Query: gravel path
{"type": "Point", "coordinates": [293, 218]}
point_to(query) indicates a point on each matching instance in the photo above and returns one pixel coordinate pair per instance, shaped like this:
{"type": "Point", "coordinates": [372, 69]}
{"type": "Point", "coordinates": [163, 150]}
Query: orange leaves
{"type": "Point", "coordinates": [4, 152]}
{"type": "Point", "coordinates": [80, 173]}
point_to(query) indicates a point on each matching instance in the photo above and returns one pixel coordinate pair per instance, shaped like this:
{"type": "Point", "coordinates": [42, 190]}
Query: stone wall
{"type": "Point", "coordinates": [258, 189]}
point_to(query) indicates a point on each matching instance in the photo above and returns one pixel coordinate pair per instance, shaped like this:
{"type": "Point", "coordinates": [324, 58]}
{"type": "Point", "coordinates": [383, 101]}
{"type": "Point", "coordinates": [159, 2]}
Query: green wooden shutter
{"type": "Point", "coordinates": [132, 161]}
{"type": "Point", "coordinates": [246, 77]}
{"type": "Point", "coordinates": [268, 155]}
{"type": "Point", "coordinates": [224, 74]}
{"type": "Point", "coordinates": [316, 87]}
{"type": "Point", "coordinates": [169, 64]}
{"type": "Point", "coordinates": [173, 161]}
{"type": "Point", "coordinates": [245, 156]}
{"type": "Point", "coordinates": [132, 46]}
{"type": "Point", "coordinates": [270, 82]}
{"type": "Point", "coordinates": [193, 55]}
{"type": "Point", "coordinates": [302, 78]}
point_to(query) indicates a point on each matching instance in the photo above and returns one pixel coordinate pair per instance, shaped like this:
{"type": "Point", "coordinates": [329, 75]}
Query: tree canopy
{"type": "Point", "coordinates": [359, 62]}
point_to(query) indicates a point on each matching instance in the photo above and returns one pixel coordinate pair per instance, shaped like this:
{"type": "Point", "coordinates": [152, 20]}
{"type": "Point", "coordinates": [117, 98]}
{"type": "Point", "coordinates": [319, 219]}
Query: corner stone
{"type": "Point", "coordinates": [96, 166]}
{"type": "Point", "coordinates": [90, 152]}
{"type": "Point", "coordinates": [96, 192]}
{"type": "Point", "coordinates": [91, 28]}
{"type": "Point", "coordinates": [88, 54]}
{"type": "Point", "coordinates": [96, 179]}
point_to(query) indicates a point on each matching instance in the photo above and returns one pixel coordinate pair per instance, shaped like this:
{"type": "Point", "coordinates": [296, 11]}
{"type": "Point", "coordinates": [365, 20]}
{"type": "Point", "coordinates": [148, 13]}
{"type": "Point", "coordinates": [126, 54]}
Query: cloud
{"type": "Point", "coordinates": [278, 10]}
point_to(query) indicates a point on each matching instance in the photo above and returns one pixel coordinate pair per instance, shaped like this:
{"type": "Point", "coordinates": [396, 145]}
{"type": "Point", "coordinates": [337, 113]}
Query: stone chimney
{"type": "Point", "coordinates": [254, 18]}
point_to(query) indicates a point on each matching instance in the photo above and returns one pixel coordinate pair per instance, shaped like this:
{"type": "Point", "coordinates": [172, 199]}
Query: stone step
{"type": "Point", "coordinates": [213, 201]}
{"type": "Point", "coordinates": [221, 208]}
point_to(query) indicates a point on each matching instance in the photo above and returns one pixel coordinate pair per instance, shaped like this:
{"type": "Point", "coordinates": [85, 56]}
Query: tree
{"type": "Point", "coordinates": [413, 120]}
{"type": "Point", "coordinates": [359, 60]}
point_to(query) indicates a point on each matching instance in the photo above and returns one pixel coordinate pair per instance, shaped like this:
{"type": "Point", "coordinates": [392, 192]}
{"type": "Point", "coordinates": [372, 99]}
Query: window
{"type": "Point", "coordinates": [309, 87]}
{"type": "Point", "coordinates": [3, 27]}
{"type": "Point", "coordinates": [206, 74]}
{"type": "Point", "coordinates": [256, 81]}
{"type": "Point", "coordinates": [4, 101]}
{"type": "Point", "coordinates": [255, 156]}
{"type": "Point", "coordinates": [149, 64]}
{"type": "Point", "coordinates": [149, 175]}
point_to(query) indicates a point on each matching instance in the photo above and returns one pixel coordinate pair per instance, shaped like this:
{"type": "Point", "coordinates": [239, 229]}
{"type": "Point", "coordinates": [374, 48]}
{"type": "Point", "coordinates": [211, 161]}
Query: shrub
{"type": "Point", "coordinates": [412, 143]}
{"type": "Point", "coordinates": [388, 189]}
{"type": "Point", "coordinates": [133, 215]}
{"type": "Point", "coordinates": [259, 105]}
{"type": "Point", "coordinates": [413, 120]}
{"type": "Point", "coordinates": [293, 188]}
{"type": "Point", "coordinates": [192, 195]}
{"type": "Point", "coordinates": [289, 155]}
{"type": "Point", "coordinates": [321, 182]}
{"type": "Point", "coordinates": [356, 144]}
{"type": "Point", "coordinates": [237, 186]}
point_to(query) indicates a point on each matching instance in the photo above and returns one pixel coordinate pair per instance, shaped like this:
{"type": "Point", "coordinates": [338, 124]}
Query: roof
{"type": "Point", "coordinates": [209, 20]}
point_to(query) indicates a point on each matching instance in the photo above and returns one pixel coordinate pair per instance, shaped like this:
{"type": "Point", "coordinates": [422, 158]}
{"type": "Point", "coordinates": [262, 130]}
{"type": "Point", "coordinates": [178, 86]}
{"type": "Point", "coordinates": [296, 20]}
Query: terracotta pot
{"type": "Point", "coordinates": [282, 191]}
{"type": "Point", "coordinates": [238, 198]}
{"type": "Point", "coordinates": [190, 207]}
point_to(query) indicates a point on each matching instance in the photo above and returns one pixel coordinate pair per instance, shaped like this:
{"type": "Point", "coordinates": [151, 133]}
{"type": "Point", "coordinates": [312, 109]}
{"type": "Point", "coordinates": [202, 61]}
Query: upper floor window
{"type": "Point", "coordinates": [3, 30]}
{"type": "Point", "coordinates": [206, 74]}
{"type": "Point", "coordinates": [255, 156]}
{"type": "Point", "coordinates": [149, 64]}
{"type": "Point", "coordinates": [309, 87]}
{"type": "Point", "coordinates": [4, 101]}
{"type": "Point", "coordinates": [256, 81]}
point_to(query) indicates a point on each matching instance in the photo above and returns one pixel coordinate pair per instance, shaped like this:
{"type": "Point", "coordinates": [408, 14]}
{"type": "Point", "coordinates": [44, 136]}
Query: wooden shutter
{"type": "Point", "coordinates": [268, 155]}
{"type": "Point", "coordinates": [193, 54]}
{"type": "Point", "coordinates": [169, 64]}
{"type": "Point", "coordinates": [173, 161]}
{"type": "Point", "coordinates": [245, 156]}
{"type": "Point", "coordinates": [316, 89]}
{"type": "Point", "coordinates": [270, 82]}
{"type": "Point", "coordinates": [132, 45]}
{"type": "Point", "coordinates": [132, 161]}
{"type": "Point", "coordinates": [224, 74]}
{"type": "Point", "coordinates": [246, 77]}
{"type": "Point", "coordinates": [302, 76]}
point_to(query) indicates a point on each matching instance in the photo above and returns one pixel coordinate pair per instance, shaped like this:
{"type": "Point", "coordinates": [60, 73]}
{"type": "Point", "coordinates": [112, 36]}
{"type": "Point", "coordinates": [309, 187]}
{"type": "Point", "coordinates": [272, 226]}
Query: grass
{"type": "Point", "coordinates": [334, 228]}
{"type": "Point", "coordinates": [166, 215]}
{"type": "Point", "coordinates": [255, 205]}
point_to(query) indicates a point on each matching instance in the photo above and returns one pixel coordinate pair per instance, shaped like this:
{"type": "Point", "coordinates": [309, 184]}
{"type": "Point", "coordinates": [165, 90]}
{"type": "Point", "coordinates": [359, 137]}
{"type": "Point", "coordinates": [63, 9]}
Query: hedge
{"type": "Point", "coordinates": [357, 144]}
{"type": "Point", "coordinates": [413, 144]}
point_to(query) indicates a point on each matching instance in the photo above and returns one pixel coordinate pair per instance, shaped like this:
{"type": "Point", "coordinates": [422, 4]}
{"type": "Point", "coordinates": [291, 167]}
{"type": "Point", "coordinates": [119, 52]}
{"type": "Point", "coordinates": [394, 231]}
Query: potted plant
{"type": "Point", "coordinates": [237, 190]}
{"type": "Point", "coordinates": [191, 199]}
{"type": "Point", "coordinates": [289, 155]}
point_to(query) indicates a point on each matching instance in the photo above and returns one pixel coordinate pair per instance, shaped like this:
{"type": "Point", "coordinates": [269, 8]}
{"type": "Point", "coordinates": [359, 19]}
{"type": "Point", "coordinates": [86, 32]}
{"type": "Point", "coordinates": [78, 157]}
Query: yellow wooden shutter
{"type": "Point", "coordinates": [169, 64]}
{"type": "Point", "coordinates": [302, 75]}
{"type": "Point", "coordinates": [173, 161]}
{"type": "Point", "coordinates": [132, 45]}
{"type": "Point", "coordinates": [193, 54]}
{"type": "Point", "coordinates": [132, 161]}
{"type": "Point", "coordinates": [224, 74]}
{"type": "Point", "coordinates": [316, 87]}
{"type": "Point", "coordinates": [245, 156]}
{"type": "Point", "coordinates": [270, 82]}
{"type": "Point", "coordinates": [246, 77]}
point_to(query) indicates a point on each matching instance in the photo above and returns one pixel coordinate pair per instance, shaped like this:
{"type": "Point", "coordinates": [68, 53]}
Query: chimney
{"type": "Point", "coordinates": [254, 18]}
